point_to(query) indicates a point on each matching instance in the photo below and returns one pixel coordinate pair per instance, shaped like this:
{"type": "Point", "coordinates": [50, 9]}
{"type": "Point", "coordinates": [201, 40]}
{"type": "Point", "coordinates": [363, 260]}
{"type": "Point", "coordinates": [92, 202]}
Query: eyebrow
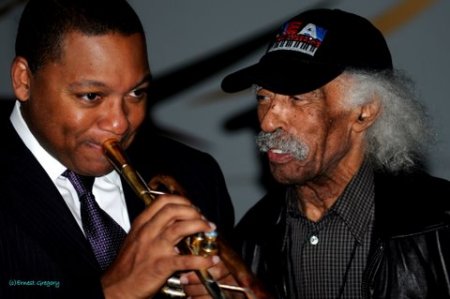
{"type": "Point", "coordinates": [318, 92]}
{"type": "Point", "coordinates": [94, 83]}
{"type": "Point", "coordinates": [147, 79]}
{"type": "Point", "coordinates": [86, 83]}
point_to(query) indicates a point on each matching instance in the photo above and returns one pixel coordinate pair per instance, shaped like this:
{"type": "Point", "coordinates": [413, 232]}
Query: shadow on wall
{"type": "Point", "coordinates": [183, 77]}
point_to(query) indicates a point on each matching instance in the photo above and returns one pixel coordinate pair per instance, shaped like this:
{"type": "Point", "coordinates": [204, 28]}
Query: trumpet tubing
{"type": "Point", "coordinates": [199, 244]}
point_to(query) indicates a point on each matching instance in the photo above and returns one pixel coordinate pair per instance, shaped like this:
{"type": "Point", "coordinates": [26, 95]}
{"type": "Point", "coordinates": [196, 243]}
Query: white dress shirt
{"type": "Point", "coordinates": [107, 189]}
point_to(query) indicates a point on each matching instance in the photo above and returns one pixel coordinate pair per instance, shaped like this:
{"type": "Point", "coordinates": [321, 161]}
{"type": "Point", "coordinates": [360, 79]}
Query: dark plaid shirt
{"type": "Point", "coordinates": [326, 259]}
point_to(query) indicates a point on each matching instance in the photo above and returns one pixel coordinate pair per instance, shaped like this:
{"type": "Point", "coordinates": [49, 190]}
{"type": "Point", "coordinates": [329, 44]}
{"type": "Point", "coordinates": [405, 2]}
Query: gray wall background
{"type": "Point", "coordinates": [181, 31]}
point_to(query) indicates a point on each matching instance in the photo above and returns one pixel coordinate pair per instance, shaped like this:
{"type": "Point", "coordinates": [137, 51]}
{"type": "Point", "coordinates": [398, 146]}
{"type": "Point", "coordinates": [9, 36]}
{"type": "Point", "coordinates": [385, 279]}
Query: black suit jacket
{"type": "Point", "coordinates": [43, 253]}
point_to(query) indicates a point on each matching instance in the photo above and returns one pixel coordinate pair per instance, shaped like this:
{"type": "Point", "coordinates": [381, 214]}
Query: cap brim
{"type": "Point", "coordinates": [286, 77]}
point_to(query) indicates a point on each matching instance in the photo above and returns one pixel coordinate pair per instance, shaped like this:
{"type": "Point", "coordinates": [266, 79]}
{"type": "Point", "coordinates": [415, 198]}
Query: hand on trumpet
{"type": "Point", "coordinates": [149, 255]}
{"type": "Point", "coordinates": [193, 287]}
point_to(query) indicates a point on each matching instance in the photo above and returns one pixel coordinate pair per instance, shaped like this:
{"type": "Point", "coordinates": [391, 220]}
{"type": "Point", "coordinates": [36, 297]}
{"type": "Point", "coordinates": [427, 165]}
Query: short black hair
{"type": "Point", "coordinates": [44, 23]}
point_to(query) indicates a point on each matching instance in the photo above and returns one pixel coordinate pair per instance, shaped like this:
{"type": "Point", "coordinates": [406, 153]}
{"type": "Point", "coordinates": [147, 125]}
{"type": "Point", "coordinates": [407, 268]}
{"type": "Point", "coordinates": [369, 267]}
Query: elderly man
{"type": "Point", "coordinates": [356, 217]}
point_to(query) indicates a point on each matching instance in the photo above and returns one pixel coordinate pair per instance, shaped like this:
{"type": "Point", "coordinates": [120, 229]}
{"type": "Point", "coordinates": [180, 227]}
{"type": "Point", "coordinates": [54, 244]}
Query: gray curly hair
{"type": "Point", "coordinates": [399, 138]}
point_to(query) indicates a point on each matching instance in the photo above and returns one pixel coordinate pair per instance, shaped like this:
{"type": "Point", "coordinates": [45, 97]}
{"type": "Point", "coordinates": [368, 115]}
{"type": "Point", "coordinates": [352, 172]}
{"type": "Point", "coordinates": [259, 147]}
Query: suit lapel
{"type": "Point", "coordinates": [39, 208]}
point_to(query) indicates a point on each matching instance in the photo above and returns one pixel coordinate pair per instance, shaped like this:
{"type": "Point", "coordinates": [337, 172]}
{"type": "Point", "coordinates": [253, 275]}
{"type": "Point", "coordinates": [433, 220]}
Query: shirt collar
{"type": "Point", "coordinates": [51, 166]}
{"type": "Point", "coordinates": [356, 204]}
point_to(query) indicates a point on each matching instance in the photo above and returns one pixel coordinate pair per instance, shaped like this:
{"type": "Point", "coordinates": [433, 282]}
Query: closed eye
{"type": "Point", "coordinates": [297, 98]}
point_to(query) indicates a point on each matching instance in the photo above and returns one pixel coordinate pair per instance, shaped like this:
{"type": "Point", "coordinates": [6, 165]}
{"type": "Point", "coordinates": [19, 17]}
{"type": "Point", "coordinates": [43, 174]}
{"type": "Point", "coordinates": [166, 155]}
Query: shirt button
{"type": "Point", "coordinates": [314, 240]}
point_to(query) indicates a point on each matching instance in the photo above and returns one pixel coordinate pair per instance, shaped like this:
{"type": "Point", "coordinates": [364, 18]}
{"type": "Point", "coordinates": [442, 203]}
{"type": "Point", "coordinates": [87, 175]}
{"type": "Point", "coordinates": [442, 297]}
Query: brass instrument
{"type": "Point", "coordinates": [199, 244]}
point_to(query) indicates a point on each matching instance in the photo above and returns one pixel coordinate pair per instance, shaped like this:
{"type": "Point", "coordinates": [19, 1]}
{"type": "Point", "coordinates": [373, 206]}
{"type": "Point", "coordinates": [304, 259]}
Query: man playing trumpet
{"type": "Point", "coordinates": [81, 76]}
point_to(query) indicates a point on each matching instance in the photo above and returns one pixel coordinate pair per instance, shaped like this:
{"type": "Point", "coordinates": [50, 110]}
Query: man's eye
{"type": "Point", "coordinates": [298, 98]}
{"type": "Point", "coordinates": [260, 97]}
{"type": "Point", "coordinates": [91, 96]}
{"type": "Point", "coordinates": [139, 93]}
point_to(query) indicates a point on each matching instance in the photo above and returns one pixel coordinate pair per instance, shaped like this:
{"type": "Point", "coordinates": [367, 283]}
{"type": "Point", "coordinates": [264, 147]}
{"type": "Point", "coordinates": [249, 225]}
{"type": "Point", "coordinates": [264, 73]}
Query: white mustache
{"type": "Point", "coordinates": [282, 141]}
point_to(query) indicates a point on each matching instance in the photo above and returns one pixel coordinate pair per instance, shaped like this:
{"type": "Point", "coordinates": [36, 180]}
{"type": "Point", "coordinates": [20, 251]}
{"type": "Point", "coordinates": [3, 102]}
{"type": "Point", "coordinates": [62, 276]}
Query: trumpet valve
{"type": "Point", "coordinates": [209, 244]}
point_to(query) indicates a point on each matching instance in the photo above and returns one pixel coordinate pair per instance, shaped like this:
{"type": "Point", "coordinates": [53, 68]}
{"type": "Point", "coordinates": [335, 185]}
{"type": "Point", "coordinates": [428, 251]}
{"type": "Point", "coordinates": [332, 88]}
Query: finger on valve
{"type": "Point", "coordinates": [143, 272]}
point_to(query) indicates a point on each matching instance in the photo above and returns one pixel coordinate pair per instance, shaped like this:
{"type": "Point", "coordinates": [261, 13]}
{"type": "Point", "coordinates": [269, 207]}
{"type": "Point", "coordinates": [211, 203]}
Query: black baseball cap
{"type": "Point", "coordinates": [312, 49]}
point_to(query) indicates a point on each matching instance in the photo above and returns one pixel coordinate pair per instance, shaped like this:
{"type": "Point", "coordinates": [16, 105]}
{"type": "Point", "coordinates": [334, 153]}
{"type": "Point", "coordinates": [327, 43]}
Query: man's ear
{"type": "Point", "coordinates": [366, 115]}
{"type": "Point", "coordinates": [21, 78]}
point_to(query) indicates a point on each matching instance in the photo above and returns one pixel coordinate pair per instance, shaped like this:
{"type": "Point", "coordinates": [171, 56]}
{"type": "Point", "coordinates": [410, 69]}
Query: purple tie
{"type": "Point", "coordinates": [103, 233]}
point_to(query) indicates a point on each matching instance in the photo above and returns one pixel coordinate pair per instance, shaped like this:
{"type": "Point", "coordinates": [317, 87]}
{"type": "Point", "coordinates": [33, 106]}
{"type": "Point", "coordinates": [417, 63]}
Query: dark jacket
{"type": "Point", "coordinates": [43, 252]}
{"type": "Point", "coordinates": [410, 253]}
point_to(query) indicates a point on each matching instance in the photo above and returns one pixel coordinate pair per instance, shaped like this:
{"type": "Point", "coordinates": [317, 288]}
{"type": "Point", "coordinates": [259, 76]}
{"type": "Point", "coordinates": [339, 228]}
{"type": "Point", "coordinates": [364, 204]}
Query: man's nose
{"type": "Point", "coordinates": [115, 118]}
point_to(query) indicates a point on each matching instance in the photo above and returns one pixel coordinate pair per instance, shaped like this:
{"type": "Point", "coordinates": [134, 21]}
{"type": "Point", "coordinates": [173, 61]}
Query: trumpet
{"type": "Point", "coordinates": [204, 244]}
